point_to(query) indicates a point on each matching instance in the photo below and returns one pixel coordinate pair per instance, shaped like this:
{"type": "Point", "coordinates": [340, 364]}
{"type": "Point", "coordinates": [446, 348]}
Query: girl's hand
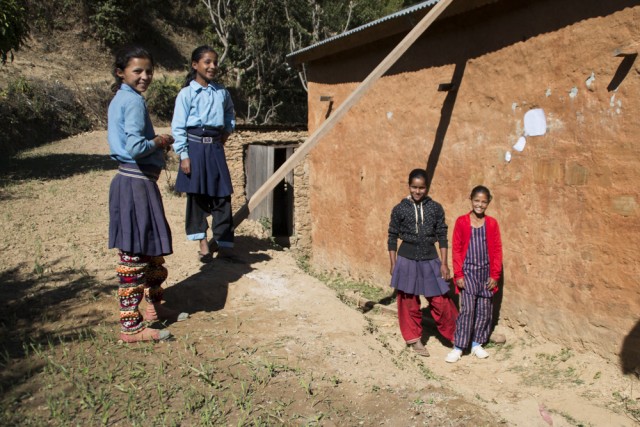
{"type": "Point", "coordinates": [169, 139]}
{"type": "Point", "coordinates": [163, 142]}
{"type": "Point", "coordinates": [460, 283]}
{"type": "Point", "coordinates": [444, 270]}
{"type": "Point", "coordinates": [492, 284]}
{"type": "Point", "coordinates": [185, 166]}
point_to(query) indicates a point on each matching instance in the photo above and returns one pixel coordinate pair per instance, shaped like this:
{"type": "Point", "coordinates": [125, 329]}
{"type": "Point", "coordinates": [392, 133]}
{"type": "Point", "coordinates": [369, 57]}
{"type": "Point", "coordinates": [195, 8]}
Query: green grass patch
{"type": "Point", "coordinates": [342, 284]}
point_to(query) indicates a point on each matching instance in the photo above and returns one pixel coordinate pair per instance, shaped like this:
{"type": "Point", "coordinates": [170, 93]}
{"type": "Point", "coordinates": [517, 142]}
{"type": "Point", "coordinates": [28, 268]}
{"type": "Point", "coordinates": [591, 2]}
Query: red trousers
{"type": "Point", "coordinates": [443, 310]}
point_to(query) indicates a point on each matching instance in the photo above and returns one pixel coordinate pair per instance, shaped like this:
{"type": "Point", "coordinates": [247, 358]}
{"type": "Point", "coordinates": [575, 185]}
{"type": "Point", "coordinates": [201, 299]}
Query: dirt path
{"type": "Point", "coordinates": [266, 344]}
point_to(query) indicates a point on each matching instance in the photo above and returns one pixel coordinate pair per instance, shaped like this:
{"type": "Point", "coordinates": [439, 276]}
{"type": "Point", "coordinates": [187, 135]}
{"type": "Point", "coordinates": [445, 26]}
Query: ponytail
{"type": "Point", "coordinates": [196, 55]}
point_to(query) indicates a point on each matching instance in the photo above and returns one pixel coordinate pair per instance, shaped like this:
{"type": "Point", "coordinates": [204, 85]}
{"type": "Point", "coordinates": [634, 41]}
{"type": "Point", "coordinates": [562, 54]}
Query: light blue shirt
{"type": "Point", "coordinates": [129, 129]}
{"type": "Point", "coordinates": [198, 106]}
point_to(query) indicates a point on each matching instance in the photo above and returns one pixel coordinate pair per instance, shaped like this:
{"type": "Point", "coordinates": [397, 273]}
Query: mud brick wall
{"type": "Point", "coordinates": [568, 205]}
{"type": "Point", "coordinates": [235, 151]}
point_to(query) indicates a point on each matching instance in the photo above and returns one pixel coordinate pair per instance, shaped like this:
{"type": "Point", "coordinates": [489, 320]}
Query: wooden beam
{"type": "Point", "coordinates": [330, 123]}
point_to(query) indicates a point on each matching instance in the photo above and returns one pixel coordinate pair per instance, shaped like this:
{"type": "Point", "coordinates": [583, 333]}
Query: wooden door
{"type": "Point", "coordinates": [258, 167]}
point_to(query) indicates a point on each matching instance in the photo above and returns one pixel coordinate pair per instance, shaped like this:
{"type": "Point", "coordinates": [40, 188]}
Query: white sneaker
{"type": "Point", "coordinates": [453, 356]}
{"type": "Point", "coordinates": [479, 352]}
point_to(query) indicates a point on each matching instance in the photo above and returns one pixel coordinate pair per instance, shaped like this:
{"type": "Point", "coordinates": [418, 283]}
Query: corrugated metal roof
{"type": "Point", "coordinates": [403, 12]}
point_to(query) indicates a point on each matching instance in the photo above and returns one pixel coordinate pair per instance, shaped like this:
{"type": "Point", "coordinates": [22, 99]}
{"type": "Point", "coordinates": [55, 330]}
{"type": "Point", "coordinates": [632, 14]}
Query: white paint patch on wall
{"type": "Point", "coordinates": [591, 79]}
{"type": "Point", "coordinates": [520, 144]}
{"type": "Point", "coordinates": [389, 115]}
{"type": "Point", "coordinates": [573, 92]}
{"type": "Point", "coordinates": [535, 122]}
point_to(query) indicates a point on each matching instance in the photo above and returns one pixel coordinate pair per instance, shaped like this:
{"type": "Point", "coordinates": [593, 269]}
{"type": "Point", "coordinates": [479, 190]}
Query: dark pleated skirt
{"type": "Point", "coordinates": [137, 222]}
{"type": "Point", "coordinates": [419, 277]}
{"type": "Point", "coordinates": [209, 171]}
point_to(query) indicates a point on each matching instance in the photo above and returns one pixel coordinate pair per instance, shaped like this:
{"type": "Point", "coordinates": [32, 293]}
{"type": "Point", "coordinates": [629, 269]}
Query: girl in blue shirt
{"type": "Point", "coordinates": [202, 121]}
{"type": "Point", "coordinates": [137, 224]}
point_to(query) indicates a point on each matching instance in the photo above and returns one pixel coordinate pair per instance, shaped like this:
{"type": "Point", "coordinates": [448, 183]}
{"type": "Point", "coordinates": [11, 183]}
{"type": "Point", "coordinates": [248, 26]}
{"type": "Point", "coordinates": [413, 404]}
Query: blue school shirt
{"type": "Point", "coordinates": [129, 130]}
{"type": "Point", "coordinates": [198, 106]}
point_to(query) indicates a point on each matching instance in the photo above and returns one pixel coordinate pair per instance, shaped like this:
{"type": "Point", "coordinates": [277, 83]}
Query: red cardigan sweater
{"type": "Point", "coordinates": [461, 238]}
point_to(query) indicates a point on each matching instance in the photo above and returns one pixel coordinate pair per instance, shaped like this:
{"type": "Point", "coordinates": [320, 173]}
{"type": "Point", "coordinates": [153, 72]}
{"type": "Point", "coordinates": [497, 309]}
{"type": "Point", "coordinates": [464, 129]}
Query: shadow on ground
{"type": "Point", "coordinates": [52, 166]}
{"type": "Point", "coordinates": [206, 290]}
{"type": "Point", "coordinates": [31, 301]}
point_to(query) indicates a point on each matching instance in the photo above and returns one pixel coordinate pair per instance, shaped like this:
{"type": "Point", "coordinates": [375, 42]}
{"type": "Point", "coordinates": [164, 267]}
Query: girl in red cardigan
{"type": "Point", "coordinates": [477, 265]}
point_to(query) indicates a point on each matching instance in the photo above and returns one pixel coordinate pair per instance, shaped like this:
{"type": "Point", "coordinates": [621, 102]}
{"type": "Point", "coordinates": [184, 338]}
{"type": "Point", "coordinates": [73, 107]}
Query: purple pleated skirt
{"type": "Point", "coordinates": [137, 222]}
{"type": "Point", "coordinates": [419, 277]}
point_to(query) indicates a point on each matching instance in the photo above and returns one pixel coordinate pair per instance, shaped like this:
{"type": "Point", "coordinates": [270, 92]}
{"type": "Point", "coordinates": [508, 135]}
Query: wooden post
{"type": "Point", "coordinates": [329, 124]}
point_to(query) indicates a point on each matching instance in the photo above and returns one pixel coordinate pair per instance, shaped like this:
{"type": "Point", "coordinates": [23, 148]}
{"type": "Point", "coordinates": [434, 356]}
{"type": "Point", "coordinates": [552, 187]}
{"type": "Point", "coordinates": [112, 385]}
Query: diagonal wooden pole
{"type": "Point", "coordinates": [330, 123]}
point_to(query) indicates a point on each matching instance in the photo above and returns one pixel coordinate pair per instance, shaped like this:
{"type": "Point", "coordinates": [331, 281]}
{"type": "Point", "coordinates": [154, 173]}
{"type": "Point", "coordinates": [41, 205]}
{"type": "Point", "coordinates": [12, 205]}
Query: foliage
{"type": "Point", "coordinates": [161, 97]}
{"type": "Point", "coordinates": [116, 22]}
{"type": "Point", "coordinates": [35, 112]}
{"type": "Point", "coordinates": [254, 37]}
{"type": "Point", "coordinates": [49, 16]}
{"type": "Point", "coordinates": [14, 27]}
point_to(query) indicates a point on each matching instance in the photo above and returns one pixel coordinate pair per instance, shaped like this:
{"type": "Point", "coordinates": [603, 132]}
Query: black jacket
{"type": "Point", "coordinates": [419, 226]}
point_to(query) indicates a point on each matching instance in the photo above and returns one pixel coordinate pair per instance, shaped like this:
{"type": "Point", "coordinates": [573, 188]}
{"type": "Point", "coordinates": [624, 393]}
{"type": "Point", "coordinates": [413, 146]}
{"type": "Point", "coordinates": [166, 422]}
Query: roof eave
{"type": "Point", "coordinates": [398, 23]}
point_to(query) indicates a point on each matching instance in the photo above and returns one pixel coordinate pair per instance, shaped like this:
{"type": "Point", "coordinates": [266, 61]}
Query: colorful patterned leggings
{"type": "Point", "coordinates": [139, 275]}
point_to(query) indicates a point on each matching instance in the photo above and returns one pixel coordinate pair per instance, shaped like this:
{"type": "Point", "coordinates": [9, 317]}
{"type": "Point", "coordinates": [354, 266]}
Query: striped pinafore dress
{"type": "Point", "coordinates": [476, 306]}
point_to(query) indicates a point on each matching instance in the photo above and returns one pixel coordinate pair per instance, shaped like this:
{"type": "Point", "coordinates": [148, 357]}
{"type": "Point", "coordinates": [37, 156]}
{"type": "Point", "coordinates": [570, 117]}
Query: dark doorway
{"type": "Point", "coordinates": [276, 210]}
{"type": "Point", "coordinates": [282, 223]}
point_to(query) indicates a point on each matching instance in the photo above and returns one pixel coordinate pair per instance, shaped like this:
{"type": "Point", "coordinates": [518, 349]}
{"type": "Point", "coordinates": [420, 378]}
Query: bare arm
{"type": "Point", "coordinates": [392, 259]}
{"type": "Point", "coordinates": [444, 268]}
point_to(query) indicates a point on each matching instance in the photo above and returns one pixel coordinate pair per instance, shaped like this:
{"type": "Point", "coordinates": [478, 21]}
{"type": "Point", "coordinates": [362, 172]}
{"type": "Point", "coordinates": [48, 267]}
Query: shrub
{"type": "Point", "coordinates": [35, 112]}
{"type": "Point", "coordinates": [117, 22]}
{"type": "Point", "coordinates": [107, 20]}
{"type": "Point", "coordinates": [53, 15]}
{"type": "Point", "coordinates": [161, 97]}
{"type": "Point", "coordinates": [14, 27]}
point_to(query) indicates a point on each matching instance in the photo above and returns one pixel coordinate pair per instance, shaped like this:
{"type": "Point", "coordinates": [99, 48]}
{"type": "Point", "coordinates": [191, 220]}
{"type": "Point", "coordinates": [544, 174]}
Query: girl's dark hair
{"type": "Point", "coordinates": [418, 173]}
{"type": "Point", "coordinates": [196, 55]}
{"type": "Point", "coordinates": [481, 189]}
{"type": "Point", "coordinates": [122, 58]}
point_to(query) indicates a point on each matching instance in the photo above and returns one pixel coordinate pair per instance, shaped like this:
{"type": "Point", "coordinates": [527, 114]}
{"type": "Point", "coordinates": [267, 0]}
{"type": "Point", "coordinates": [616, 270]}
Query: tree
{"type": "Point", "coordinates": [254, 36]}
{"type": "Point", "coordinates": [14, 28]}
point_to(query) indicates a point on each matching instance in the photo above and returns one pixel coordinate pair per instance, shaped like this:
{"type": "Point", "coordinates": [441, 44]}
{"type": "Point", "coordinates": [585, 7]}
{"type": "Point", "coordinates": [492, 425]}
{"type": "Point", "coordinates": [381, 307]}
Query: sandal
{"type": "Point", "coordinates": [213, 246]}
{"type": "Point", "coordinates": [204, 258]}
{"type": "Point", "coordinates": [160, 312]}
{"type": "Point", "coordinates": [147, 334]}
{"type": "Point", "coordinates": [419, 348]}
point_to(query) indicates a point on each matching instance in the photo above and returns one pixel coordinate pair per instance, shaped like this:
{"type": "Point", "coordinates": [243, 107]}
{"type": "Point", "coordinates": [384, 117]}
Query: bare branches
{"type": "Point", "coordinates": [219, 16]}
{"type": "Point", "coordinates": [352, 5]}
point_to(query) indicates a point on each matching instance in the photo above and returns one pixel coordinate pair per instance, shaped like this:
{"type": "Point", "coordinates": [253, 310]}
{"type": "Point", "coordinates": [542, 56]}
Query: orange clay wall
{"type": "Point", "coordinates": [568, 204]}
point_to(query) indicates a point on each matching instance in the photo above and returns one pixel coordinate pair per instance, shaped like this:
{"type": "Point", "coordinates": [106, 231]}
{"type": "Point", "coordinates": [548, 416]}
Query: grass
{"type": "Point", "coordinates": [89, 379]}
{"type": "Point", "coordinates": [550, 371]}
{"type": "Point", "coordinates": [623, 401]}
{"type": "Point", "coordinates": [342, 284]}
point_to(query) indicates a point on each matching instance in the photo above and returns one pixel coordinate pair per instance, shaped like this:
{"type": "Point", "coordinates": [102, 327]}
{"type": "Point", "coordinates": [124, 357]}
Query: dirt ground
{"type": "Point", "coordinates": [266, 344]}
